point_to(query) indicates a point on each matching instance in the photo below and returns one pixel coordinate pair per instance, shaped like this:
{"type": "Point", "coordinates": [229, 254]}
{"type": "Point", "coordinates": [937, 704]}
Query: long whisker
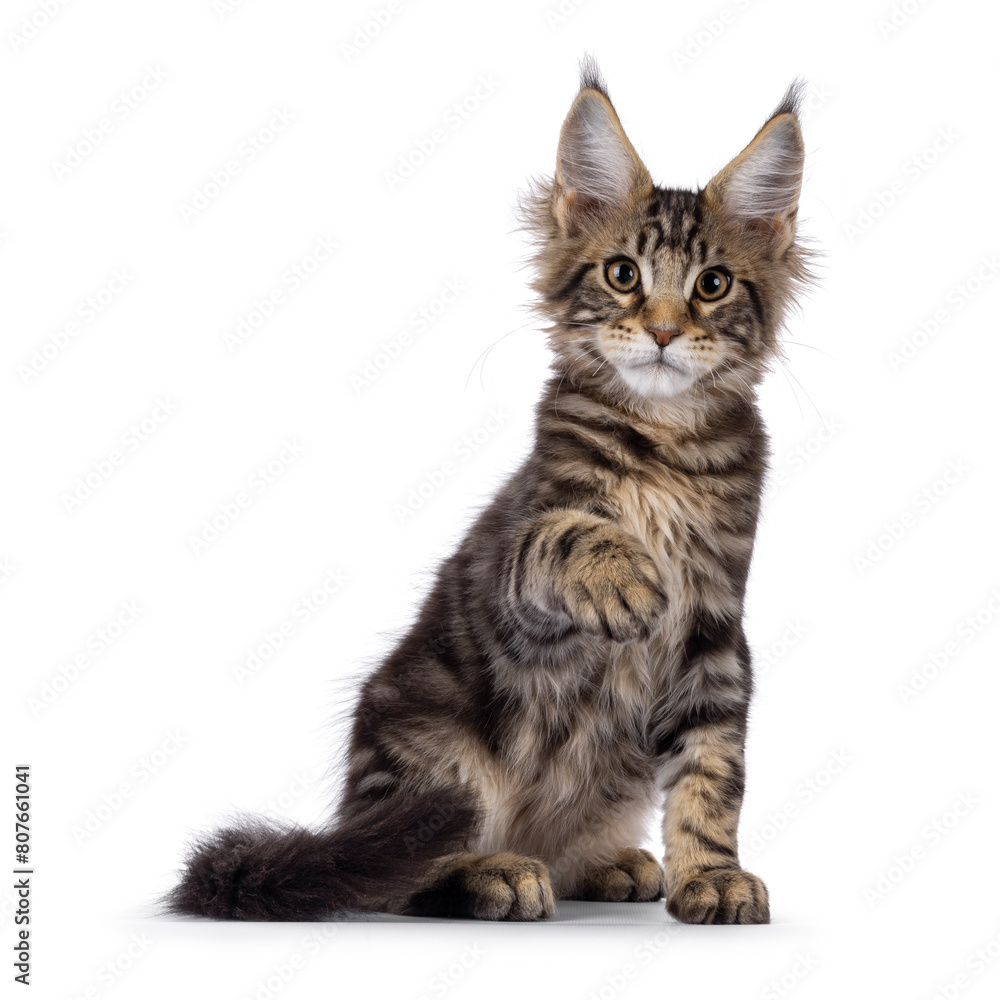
{"type": "Point", "coordinates": [485, 354]}
{"type": "Point", "coordinates": [799, 343]}
{"type": "Point", "coordinates": [786, 373]}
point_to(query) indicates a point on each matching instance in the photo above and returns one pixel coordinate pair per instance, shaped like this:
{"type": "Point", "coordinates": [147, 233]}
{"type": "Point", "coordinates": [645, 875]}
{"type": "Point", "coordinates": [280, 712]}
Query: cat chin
{"type": "Point", "coordinates": [656, 382]}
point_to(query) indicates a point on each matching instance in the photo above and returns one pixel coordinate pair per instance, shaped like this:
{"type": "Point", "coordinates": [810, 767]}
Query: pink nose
{"type": "Point", "coordinates": [661, 336]}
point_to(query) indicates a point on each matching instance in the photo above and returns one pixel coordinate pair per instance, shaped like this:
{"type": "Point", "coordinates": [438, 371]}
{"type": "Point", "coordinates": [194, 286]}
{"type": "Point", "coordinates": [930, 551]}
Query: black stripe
{"type": "Point", "coordinates": [658, 228]}
{"type": "Point", "coordinates": [689, 236]}
{"type": "Point", "coordinates": [708, 633]}
{"type": "Point", "coordinates": [624, 435]}
{"type": "Point", "coordinates": [710, 842]}
{"type": "Point", "coordinates": [567, 541]}
{"type": "Point", "coordinates": [522, 555]}
{"type": "Point", "coordinates": [574, 282]}
{"type": "Point", "coordinates": [591, 453]}
{"type": "Point", "coordinates": [669, 738]}
{"type": "Point", "coordinates": [754, 299]}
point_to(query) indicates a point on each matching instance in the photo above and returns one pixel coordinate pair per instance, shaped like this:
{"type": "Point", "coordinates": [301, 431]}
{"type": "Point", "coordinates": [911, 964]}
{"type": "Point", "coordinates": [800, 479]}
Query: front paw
{"type": "Point", "coordinates": [616, 591]}
{"type": "Point", "coordinates": [635, 876]}
{"type": "Point", "coordinates": [719, 896]}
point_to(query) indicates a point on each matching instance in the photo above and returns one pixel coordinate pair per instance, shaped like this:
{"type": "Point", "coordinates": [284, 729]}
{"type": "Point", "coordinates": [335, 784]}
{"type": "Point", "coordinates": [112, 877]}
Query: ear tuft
{"type": "Point", "coordinates": [596, 165]}
{"type": "Point", "coordinates": [591, 77]}
{"type": "Point", "coordinates": [759, 189]}
{"type": "Point", "coordinates": [792, 100]}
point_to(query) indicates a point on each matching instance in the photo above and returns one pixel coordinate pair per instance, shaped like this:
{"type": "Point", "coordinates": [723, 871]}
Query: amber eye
{"type": "Point", "coordinates": [622, 275]}
{"type": "Point", "coordinates": [712, 285]}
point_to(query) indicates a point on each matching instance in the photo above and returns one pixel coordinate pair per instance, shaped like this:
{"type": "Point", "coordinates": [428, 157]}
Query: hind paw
{"type": "Point", "coordinates": [492, 887]}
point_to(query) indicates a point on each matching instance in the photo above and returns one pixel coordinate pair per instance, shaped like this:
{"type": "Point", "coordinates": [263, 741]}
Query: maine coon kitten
{"type": "Point", "coordinates": [580, 664]}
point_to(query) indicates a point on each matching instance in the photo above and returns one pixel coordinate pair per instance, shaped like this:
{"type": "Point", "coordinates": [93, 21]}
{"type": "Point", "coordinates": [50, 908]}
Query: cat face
{"type": "Point", "coordinates": [656, 292]}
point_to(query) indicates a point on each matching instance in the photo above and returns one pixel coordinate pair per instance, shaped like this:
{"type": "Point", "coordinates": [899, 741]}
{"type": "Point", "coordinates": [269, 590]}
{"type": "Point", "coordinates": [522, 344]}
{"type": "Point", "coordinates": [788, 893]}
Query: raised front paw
{"type": "Point", "coordinates": [501, 886]}
{"type": "Point", "coordinates": [634, 876]}
{"type": "Point", "coordinates": [613, 588]}
{"type": "Point", "coordinates": [719, 896]}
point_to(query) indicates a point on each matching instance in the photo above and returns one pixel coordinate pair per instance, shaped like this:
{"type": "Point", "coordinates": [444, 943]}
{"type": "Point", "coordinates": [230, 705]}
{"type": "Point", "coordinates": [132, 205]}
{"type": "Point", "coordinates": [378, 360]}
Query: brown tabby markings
{"type": "Point", "coordinates": [621, 550]}
{"type": "Point", "coordinates": [580, 664]}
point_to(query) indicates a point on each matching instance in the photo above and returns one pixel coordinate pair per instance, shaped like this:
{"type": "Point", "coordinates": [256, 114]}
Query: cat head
{"type": "Point", "coordinates": [653, 292]}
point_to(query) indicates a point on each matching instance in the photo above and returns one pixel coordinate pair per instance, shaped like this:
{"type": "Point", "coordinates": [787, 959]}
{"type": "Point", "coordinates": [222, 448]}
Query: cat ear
{"type": "Point", "coordinates": [759, 190]}
{"type": "Point", "coordinates": [596, 165]}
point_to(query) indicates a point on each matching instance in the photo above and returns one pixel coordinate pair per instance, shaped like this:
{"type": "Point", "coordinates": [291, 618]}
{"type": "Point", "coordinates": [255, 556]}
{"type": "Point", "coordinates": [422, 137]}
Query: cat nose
{"type": "Point", "coordinates": [663, 335]}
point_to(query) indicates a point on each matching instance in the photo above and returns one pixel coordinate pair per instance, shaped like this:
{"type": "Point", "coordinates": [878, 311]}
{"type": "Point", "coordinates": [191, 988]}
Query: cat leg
{"type": "Point", "coordinates": [634, 876]}
{"type": "Point", "coordinates": [704, 785]}
{"type": "Point", "coordinates": [573, 569]}
{"type": "Point", "coordinates": [502, 886]}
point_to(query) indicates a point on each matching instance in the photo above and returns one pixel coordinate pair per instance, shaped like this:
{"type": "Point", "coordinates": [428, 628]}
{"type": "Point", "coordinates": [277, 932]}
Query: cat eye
{"type": "Point", "coordinates": [712, 285]}
{"type": "Point", "coordinates": [622, 275]}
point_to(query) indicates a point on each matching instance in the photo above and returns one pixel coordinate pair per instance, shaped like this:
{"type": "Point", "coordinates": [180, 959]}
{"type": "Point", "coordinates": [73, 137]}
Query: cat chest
{"type": "Point", "coordinates": [699, 539]}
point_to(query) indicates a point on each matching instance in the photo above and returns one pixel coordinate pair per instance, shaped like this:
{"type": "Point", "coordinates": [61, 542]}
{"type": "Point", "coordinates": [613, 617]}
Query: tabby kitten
{"type": "Point", "coordinates": [580, 664]}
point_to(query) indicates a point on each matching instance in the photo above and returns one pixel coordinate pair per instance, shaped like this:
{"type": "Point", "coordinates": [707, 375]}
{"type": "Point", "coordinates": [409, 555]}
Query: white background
{"type": "Point", "coordinates": [849, 766]}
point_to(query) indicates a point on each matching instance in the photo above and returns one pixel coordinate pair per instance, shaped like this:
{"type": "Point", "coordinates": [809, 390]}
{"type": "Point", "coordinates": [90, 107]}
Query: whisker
{"type": "Point", "coordinates": [803, 388]}
{"type": "Point", "coordinates": [799, 343]}
{"type": "Point", "coordinates": [485, 354]}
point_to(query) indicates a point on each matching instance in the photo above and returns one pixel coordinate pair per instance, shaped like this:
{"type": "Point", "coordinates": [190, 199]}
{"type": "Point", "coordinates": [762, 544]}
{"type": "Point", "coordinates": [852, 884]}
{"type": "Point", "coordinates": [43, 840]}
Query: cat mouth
{"type": "Point", "coordinates": [661, 361]}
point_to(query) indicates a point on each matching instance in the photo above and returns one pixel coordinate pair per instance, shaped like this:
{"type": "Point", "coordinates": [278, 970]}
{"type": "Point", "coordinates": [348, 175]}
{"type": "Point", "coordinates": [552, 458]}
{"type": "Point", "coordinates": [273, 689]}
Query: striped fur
{"type": "Point", "coordinates": [579, 667]}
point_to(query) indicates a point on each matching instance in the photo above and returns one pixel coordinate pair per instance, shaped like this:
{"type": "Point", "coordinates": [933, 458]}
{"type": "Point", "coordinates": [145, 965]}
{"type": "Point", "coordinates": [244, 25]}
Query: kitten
{"type": "Point", "coordinates": [579, 666]}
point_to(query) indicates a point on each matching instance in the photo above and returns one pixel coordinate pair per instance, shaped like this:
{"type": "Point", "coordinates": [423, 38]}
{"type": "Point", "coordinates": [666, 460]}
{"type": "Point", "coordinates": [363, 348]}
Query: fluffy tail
{"type": "Point", "coordinates": [258, 870]}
